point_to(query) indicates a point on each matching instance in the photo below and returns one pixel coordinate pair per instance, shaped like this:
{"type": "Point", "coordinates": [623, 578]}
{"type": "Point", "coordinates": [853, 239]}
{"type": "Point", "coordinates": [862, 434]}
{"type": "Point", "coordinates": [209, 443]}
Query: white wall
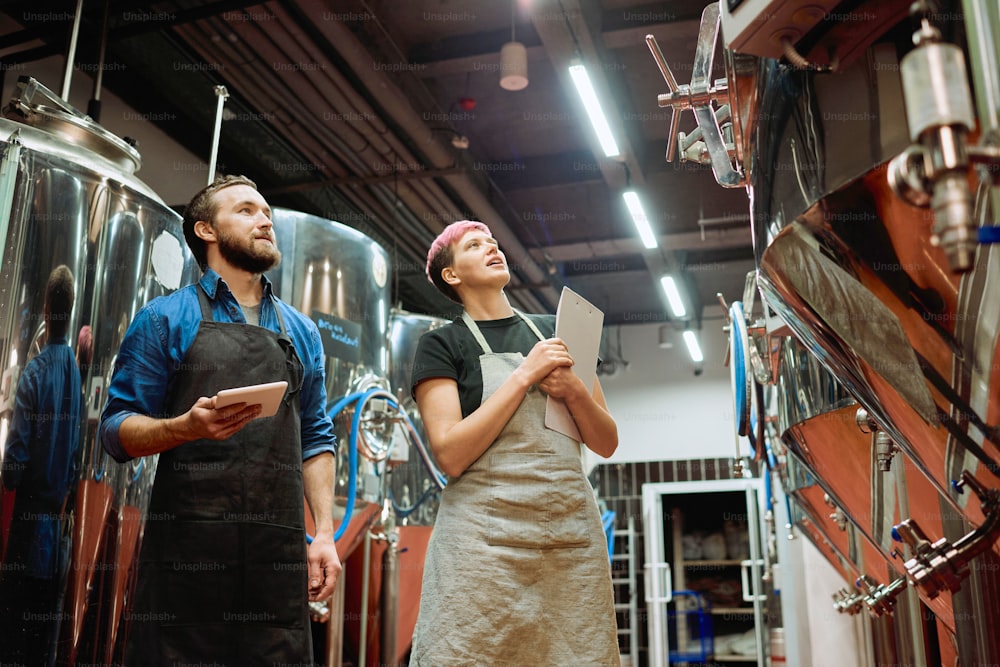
{"type": "Point", "coordinates": [663, 410]}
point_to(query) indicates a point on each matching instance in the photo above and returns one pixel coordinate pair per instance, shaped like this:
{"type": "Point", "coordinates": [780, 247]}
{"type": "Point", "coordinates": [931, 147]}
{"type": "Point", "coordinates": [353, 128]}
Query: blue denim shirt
{"type": "Point", "coordinates": [161, 334]}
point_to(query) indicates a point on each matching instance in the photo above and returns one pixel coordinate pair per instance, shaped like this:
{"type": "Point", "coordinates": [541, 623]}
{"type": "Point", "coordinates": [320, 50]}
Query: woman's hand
{"type": "Point", "coordinates": [546, 356]}
{"type": "Point", "coordinates": [563, 383]}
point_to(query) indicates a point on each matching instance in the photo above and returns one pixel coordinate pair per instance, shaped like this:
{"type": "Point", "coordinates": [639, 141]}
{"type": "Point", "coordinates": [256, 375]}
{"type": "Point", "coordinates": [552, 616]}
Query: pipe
{"type": "Point", "coordinates": [222, 94]}
{"type": "Point", "coordinates": [884, 641]}
{"type": "Point", "coordinates": [10, 162]}
{"type": "Point", "coordinates": [71, 53]}
{"type": "Point", "coordinates": [94, 106]}
{"type": "Point", "coordinates": [942, 565]}
{"type": "Point", "coordinates": [352, 459]}
{"type": "Point", "coordinates": [389, 608]}
{"type": "Point", "coordinates": [360, 399]}
{"type": "Point", "coordinates": [335, 630]}
{"type": "Point", "coordinates": [365, 585]}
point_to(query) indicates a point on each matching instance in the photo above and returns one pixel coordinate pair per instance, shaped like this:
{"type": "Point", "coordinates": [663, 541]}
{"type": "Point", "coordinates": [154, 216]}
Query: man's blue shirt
{"type": "Point", "coordinates": [161, 334]}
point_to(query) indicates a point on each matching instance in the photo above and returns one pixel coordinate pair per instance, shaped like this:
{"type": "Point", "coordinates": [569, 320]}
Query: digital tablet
{"type": "Point", "coordinates": [267, 395]}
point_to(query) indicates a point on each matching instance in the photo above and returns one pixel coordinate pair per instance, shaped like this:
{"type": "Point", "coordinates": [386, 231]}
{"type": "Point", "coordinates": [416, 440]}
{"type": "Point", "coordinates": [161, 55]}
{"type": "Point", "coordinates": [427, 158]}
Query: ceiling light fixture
{"type": "Point", "coordinates": [578, 72]}
{"type": "Point", "coordinates": [694, 349]}
{"type": "Point", "coordinates": [673, 296]}
{"type": "Point", "coordinates": [639, 219]}
{"type": "Point", "coordinates": [513, 60]}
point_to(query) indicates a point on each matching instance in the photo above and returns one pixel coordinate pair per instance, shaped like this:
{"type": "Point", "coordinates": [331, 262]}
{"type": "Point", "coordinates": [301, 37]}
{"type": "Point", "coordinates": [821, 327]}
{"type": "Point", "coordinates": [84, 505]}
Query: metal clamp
{"type": "Point", "coordinates": [943, 565]}
{"type": "Point", "coordinates": [709, 143]}
{"type": "Point", "coordinates": [879, 598]}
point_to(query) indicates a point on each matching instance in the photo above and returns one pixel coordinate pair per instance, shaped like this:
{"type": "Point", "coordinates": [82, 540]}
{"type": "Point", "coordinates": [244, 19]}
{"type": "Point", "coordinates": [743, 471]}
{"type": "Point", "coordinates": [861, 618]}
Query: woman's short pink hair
{"type": "Point", "coordinates": [442, 253]}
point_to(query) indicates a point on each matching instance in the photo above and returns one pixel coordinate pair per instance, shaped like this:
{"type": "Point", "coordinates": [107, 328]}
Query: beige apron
{"type": "Point", "coordinates": [517, 570]}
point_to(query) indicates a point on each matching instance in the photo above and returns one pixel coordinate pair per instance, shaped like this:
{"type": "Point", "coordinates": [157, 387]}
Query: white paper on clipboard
{"type": "Point", "coordinates": [579, 324]}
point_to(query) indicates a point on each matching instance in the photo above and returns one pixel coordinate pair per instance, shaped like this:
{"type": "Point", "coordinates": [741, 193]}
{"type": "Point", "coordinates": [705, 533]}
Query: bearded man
{"type": "Point", "coordinates": [225, 573]}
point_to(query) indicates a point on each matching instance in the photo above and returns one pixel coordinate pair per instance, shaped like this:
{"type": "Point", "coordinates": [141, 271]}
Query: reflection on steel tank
{"type": "Point", "coordinates": [70, 196]}
{"type": "Point", "coordinates": [340, 278]}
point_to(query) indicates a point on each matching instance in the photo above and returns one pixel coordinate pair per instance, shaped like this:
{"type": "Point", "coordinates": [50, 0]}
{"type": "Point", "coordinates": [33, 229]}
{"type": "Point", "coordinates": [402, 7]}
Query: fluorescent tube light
{"type": "Point", "coordinates": [673, 296]}
{"type": "Point", "coordinates": [593, 106]}
{"type": "Point", "coordinates": [693, 348]}
{"type": "Point", "coordinates": [639, 219]}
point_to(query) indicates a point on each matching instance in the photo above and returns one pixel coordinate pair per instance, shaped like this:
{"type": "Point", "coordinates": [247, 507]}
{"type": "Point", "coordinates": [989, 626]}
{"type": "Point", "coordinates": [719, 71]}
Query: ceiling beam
{"type": "Point", "coordinates": [710, 239]}
{"type": "Point", "coordinates": [482, 51]}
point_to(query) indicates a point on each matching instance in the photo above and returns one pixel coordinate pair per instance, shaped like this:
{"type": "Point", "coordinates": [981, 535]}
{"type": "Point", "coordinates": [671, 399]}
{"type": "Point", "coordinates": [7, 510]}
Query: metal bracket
{"type": "Point", "coordinates": [708, 144]}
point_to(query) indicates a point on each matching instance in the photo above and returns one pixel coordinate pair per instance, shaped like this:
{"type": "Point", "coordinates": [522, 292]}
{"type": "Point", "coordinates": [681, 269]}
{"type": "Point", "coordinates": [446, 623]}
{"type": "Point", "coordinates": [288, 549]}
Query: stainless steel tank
{"type": "Point", "coordinates": [70, 197]}
{"type": "Point", "coordinates": [849, 491]}
{"type": "Point", "coordinates": [854, 272]}
{"type": "Point", "coordinates": [413, 487]}
{"type": "Point", "coordinates": [340, 278]}
{"type": "Point", "coordinates": [858, 150]}
{"type": "Point", "coordinates": [873, 285]}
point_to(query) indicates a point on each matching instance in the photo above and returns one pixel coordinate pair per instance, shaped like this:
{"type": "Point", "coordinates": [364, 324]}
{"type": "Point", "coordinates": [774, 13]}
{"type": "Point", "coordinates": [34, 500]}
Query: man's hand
{"type": "Point", "coordinates": [219, 424]}
{"type": "Point", "coordinates": [324, 567]}
{"type": "Point", "coordinates": [142, 436]}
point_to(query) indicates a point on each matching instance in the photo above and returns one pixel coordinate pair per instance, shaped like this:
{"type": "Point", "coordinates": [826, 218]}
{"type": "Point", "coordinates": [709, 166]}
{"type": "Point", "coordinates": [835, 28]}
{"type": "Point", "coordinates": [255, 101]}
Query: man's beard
{"type": "Point", "coordinates": [248, 257]}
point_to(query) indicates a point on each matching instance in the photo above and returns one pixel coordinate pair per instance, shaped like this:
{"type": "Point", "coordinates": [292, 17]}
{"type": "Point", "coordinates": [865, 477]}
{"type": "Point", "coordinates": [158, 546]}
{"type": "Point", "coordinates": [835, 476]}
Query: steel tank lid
{"type": "Point", "coordinates": [37, 106]}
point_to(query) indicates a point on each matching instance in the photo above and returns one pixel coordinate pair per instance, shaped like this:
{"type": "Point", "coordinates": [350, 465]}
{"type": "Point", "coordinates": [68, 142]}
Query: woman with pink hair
{"type": "Point", "coordinates": [517, 569]}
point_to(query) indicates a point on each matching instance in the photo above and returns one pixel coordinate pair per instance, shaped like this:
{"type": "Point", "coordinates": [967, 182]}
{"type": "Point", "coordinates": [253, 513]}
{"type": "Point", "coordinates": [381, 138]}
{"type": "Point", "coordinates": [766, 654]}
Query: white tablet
{"type": "Point", "coordinates": [267, 395]}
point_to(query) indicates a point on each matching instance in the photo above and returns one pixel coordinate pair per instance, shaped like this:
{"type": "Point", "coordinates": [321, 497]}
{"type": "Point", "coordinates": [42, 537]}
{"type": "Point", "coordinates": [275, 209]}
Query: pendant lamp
{"type": "Point", "coordinates": [513, 60]}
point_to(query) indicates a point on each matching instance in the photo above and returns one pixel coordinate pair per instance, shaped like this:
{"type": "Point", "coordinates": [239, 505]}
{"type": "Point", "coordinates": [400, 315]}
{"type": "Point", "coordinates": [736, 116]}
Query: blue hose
{"type": "Point", "coordinates": [352, 457]}
{"type": "Point", "coordinates": [334, 409]}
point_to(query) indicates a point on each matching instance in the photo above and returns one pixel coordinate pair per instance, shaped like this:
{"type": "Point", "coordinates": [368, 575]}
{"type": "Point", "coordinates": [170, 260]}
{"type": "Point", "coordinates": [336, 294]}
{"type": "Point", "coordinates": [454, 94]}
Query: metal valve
{"type": "Point", "coordinates": [882, 445]}
{"type": "Point", "coordinates": [933, 171]}
{"type": "Point", "coordinates": [885, 448]}
{"type": "Point", "coordinates": [846, 602]}
{"type": "Point", "coordinates": [879, 598]}
{"type": "Point", "coordinates": [942, 565]}
{"type": "Point", "coordinates": [708, 144]}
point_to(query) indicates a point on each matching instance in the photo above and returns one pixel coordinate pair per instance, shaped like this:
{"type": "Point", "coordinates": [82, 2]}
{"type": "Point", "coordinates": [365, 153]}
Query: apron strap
{"type": "Point", "coordinates": [206, 307]}
{"type": "Point", "coordinates": [531, 325]}
{"type": "Point", "coordinates": [478, 335]}
{"type": "Point", "coordinates": [206, 311]}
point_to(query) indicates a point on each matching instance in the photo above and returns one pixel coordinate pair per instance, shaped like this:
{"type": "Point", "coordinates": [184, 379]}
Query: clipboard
{"type": "Point", "coordinates": [579, 324]}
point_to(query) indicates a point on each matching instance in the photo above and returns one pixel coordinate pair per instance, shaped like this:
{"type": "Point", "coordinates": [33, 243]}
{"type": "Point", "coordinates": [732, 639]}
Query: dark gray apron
{"type": "Point", "coordinates": [222, 573]}
{"type": "Point", "coordinates": [517, 571]}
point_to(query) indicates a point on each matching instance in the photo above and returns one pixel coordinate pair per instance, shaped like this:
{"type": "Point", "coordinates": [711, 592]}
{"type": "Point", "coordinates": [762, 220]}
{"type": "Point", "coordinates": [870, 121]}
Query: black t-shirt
{"type": "Point", "coordinates": [452, 352]}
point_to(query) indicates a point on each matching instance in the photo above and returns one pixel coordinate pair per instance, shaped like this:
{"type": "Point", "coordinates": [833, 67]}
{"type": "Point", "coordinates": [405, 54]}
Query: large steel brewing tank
{"type": "Point", "coordinates": [818, 423]}
{"type": "Point", "coordinates": [339, 277]}
{"type": "Point", "coordinates": [70, 197]}
{"type": "Point", "coordinates": [852, 269]}
{"type": "Point", "coordinates": [412, 482]}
